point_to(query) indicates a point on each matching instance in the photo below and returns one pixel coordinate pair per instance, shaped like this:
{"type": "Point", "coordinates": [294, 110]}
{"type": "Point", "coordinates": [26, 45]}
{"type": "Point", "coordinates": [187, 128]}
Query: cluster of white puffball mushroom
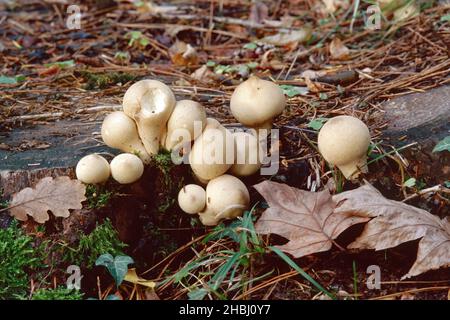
{"type": "Point", "coordinates": [152, 119]}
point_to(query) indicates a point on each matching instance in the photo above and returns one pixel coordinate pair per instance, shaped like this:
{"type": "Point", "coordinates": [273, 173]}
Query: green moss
{"type": "Point", "coordinates": [20, 255]}
{"type": "Point", "coordinates": [59, 293]}
{"type": "Point", "coordinates": [105, 80]}
{"type": "Point", "coordinates": [97, 197]}
{"type": "Point", "coordinates": [103, 239]}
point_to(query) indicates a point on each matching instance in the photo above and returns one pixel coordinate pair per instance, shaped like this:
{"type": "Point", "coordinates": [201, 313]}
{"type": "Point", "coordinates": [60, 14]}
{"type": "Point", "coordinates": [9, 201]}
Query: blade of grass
{"type": "Point", "coordinates": [355, 281]}
{"type": "Point", "coordinates": [301, 272]}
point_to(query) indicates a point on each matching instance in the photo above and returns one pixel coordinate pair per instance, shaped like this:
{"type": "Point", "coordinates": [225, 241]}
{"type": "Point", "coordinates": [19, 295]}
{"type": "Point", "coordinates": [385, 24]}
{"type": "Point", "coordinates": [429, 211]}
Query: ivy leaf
{"type": "Point", "coordinates": [117, 266]}
{"type": "Point", "coordinates": [317, 123]}
{"type": "Point", "coordinates": [443, 145]}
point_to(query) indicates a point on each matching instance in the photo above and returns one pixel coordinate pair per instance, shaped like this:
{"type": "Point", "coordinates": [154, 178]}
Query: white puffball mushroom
{"type": "Point", "coordinates": [93, 169]}
{"type": "Point", "coordinates": [126, 168]}
{"type": "Point", "coordinates": [208, 218]}
{"type": "Point", "coordinates": [119, 131]}
{"type": "Point", "coordinates": [227, 197]}
{"type": "Point", "coordinates": [150, 103]}
{"type": "Point", "coordinates": [185, 124]}
{"type": "Point", "coordinates": [247, 154]}
{"type": "Point", "coordinates": [212, 153]}
{"type": "Point", "coordinates": [192, 198]}
{"type": "Point", "coordinates": [212, 123]}
{"type": "Point", "coordinates": [255, 102]}
{"type": "Point", "coordinates": [343, 141]}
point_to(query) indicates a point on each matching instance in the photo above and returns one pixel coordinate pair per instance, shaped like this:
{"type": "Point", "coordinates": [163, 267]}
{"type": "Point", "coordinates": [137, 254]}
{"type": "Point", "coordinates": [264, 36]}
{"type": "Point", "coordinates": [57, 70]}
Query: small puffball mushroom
{"type": "Point", "coordinates": [150, 103]}
{"type": "Point", "coordinates": [192, 198]}
{"type": "Point", "coordinates": [212, 153]}
{"type": "Point", "coordinates": [227, 197]}
{"type": "Point", "coordinates": [343, 141]}
{"type": "Point", "coordinates": [119, 131]}
{"type": "Point", "coordinates": [185, 124]}
{"type": "Point", "coordinates": [255, 102]}
{"type": "Point", "coordinates": [92, 168]}
{"type": "Point", "coordinates": [247, 154]}
{"type": "Point", "coordinates": [126, 168]}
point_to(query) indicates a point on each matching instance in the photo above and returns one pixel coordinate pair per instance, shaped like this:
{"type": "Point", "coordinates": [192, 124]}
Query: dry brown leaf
{"type": "Point", "coordinates": [338, 50]}
{"type": "Point", "coordinates": [183, 54]}
{"type": "Point", "coordinates": [396, 223]}
{"type": "Point", "coordinates": [306, 219]}
{"type": "Point", "coordinates": [285, 38]}
{"type": "Point", "coordinates": [55, 195]}
{"type": "Point", "coordinates": [205, 75]}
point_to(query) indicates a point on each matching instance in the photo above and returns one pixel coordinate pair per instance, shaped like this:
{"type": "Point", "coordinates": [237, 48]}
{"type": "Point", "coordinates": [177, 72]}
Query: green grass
{"type": "Point", "coordinates": [59, 293]}
{"type": "Point", "coordinates": [19, 256]}
{"type": "Point", "coordinates": [103, 239]}
{"type": "Point", "coordinates": [235, 271]}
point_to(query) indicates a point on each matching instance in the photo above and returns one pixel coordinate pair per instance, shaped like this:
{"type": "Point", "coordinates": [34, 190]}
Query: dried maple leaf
{"type": "Point", "coordinates": [396, 223]}
{"type": "Point", "coordinates": [307, 219]}
{"type": "Point", "coordinates": [55, 195]}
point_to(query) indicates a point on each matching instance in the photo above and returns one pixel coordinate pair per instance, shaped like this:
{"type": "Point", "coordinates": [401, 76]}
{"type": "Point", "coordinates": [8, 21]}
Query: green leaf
{"type": "Point", "coordinates": [250, 46]}
{"type": "Point", "coordinates": [323, 96]}
{"type": "Point", "coordinates": [12, 80]}
{"type": "Point", "coordinates": [252, 65]}
{"type": "Point", "coordinates": [445, 18]}
{"type": "Point", "coordinates": [61, 64]}
{"type": "Point", "coordinates": [292, 91]}
{"type": "Point", "coordinates": [317, 123]}
{"type": "Point", "coordinates": [117, 266]}
{"type": "Point", "coordinates": [210, 64]}
{"type": "Point", "coordinates": [447, 184]}
{"type": "Point", "coordinates": [144, 41]}
{"type": "Point", "coordinates": [443, 145]}
{"type": "Point", "coordinates": [197, 294]}
{"type": "Point", "coordinates": [411, 182]}
{"type": "Point", "coordinates": [112, 297]}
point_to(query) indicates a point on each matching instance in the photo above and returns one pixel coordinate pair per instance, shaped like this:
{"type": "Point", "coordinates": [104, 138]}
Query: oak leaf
{"type": "Point", "coordinates": [307, 219]}
{"type": "Point", "coordinates": [56, 195]}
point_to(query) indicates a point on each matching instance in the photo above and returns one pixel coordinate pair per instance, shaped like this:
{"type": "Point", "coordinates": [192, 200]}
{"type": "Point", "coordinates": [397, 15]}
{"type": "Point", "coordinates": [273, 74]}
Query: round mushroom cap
{"type": "Point", "coordinates": [212, 153]}
{"type": "Point", "coordinates": [247, 152]}
{"type": "Point", "coordinates": [189, 116]}
{"type": "Point", "coordinates": [126, 168]}
{"type": "Point", "coordinates": [343, 140]}
{"type": "Point", "coordinates": [227, 197]}
{"type": "Point", "coordinates": [192, 198]}
{"type": "Point", "coordinates": [255, 102]}
{"type": "Point", "coordinates": [119, 130]}
{"type": "Point", "coordinates": [148, 97]}
{"type": "Point", "coordinates": [93, 169]}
